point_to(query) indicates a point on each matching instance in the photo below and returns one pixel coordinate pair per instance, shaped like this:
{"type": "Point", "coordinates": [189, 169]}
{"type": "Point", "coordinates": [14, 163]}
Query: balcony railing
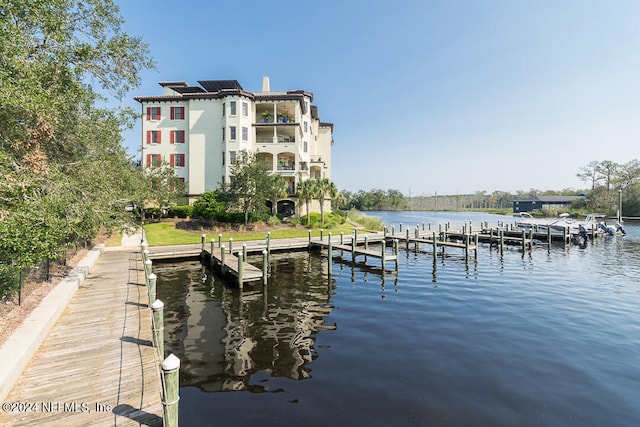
{"type": "Point", "coordinates": [281, 140]}
{"type": "Point", "coordinates": [289, 166]}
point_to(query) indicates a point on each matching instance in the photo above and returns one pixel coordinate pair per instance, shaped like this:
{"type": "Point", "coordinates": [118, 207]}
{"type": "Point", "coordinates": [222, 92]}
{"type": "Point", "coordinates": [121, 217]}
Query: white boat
{"type": "Point", "coordinates": [525, 221]}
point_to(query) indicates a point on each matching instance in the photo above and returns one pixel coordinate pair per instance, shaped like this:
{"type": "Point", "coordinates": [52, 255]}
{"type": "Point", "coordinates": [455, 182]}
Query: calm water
{"type": "Point", "coordinates": [548, 337]}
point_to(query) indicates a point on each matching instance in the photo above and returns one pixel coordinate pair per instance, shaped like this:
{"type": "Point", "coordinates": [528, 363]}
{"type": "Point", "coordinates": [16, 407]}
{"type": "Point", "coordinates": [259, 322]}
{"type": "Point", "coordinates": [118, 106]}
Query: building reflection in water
{"type": "Point", "coordinates": [223, 336]}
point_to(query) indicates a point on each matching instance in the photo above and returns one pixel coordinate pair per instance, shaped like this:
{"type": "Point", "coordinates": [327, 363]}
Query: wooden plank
{"type": "Point", "coordinates": [97, 366]}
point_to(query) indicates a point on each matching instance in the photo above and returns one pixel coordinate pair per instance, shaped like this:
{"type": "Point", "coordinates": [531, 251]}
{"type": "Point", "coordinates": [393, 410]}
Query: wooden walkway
{"type": "Point", "coordinates": [97, 367]}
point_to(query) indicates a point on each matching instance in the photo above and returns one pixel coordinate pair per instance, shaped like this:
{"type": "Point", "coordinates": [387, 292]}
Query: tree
{"type": "Point", "coordinates": [63, 172]}
{"type": "Point", "coordinates": [208, 206]}
{"type": "Point", "coordinates": [306, 192]}
{"type": "Point", "coordinates": [248, 184]}
{"type": "Point", "coordinates": [275, 188]}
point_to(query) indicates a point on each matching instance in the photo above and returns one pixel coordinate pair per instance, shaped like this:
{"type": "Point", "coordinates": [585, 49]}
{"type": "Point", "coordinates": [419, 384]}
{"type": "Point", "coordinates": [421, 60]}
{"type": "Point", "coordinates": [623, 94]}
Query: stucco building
{"type": "Point", "coordinates": [200, 130]}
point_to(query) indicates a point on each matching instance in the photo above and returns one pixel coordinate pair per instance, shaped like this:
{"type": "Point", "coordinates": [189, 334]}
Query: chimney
{"type": "Point", "coordinates": [265, 84]}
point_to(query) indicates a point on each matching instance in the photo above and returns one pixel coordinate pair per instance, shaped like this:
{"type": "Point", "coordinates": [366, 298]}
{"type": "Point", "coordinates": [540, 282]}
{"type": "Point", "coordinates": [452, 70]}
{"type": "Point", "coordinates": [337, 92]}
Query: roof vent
{"type": "Point", "coordinates": [266, 87]}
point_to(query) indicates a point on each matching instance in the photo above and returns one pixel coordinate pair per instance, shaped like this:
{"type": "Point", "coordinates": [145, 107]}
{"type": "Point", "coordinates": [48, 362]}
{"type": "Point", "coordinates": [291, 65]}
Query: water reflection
{"type": "Point", "coordinates": [224, 336]}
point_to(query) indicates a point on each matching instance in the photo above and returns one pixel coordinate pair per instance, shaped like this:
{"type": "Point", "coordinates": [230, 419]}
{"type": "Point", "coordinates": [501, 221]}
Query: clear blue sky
{"type": "Point", "coordinates": [425, 96]}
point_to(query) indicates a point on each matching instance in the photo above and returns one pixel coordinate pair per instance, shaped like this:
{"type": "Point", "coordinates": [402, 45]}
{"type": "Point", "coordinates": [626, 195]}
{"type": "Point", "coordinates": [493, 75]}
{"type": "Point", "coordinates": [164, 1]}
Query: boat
{"type": "Point", "coordinates": [525, 221]}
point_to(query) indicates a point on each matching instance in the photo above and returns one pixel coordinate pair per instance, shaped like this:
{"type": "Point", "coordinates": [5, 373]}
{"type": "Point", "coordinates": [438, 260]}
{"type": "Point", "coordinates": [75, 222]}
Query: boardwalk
{"type": "Point", "coordinates": [97, 366]}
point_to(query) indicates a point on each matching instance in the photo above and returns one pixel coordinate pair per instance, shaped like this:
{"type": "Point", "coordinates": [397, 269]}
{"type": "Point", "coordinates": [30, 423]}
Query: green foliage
{"type": "Point", "coordinates": [330, 220]}
{"type": "Point", "coordinates": [181, 211]}
{"type": "Point", "coordinates": [63, 172]}
{"type": "Point", "coordinates": [250, 184]}
{"type": "Point", "coordinates": [208, 206]}
{"type": "Point", "coordinates": [372, 223]}
{"type": "Point", "coordinates": [374, 200]}
{"type": "Point", "coordinates": [9, 280]}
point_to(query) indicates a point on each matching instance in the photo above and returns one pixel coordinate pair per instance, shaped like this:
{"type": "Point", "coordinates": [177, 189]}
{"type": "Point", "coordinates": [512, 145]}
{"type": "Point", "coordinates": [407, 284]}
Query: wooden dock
{"type": "Point", "coordinates": [97, 366]}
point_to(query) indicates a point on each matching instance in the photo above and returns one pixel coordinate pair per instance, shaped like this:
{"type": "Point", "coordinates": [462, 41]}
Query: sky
{"type": "Point", "coordinates": [446, 97]}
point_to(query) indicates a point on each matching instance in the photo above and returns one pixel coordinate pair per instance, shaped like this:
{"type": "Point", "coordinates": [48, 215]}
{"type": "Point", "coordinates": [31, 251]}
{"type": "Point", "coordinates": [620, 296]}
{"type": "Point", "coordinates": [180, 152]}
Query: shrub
{"type": "Point", "coordinates": [9, 280]}
{"type": "Point", "coordinates": [181, 211]}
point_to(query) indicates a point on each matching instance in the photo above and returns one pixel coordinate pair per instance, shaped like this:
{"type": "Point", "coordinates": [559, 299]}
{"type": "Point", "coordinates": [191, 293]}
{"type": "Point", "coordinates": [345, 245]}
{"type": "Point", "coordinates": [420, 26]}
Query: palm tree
{"type": "Point", "coordinates": [276, 188]}
{"type": "Point", "coordinates": [306, 192]}
{"type": "Point", "coordinates": [324, 188]}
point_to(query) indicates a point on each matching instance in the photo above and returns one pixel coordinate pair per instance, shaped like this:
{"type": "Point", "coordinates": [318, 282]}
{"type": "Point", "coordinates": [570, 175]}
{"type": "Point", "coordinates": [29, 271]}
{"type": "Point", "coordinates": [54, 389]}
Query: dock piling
{"type": "Point", "coordinates": [265, 266]}
{"type": "Point", "coordinates": [152, 288]}
{"type": "Point", "coordinates": [158, 326]}
{"type": "Point", "coordinates": [171, 384]}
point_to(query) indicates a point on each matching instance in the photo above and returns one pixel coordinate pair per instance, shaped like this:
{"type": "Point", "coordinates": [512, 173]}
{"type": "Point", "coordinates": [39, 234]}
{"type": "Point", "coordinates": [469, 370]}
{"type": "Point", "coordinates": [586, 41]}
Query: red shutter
{"type": "Point", "coordinates": [148, 137]}
{"type": "Point", "coordinates": [148, 113]}
{"type": "Point", "coordinates": [172, 113]}
{"type": "Point", "coordinates": [173, 160]}
{"type": "Point", "coordinates": [148, 160]}
{"type": "Point", "coordinates": [159, 136]}
{"type": "Point", "coordinates": [172, 137]}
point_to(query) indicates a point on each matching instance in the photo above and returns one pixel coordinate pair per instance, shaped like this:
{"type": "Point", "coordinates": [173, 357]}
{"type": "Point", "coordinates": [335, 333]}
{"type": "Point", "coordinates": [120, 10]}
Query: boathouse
{"type": "Point", "coordinates": [538, 203]}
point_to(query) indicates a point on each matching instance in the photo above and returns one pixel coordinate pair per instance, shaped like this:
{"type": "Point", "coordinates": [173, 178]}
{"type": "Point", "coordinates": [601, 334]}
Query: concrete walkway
{"type": "Point", "coordinates": [97, 366]}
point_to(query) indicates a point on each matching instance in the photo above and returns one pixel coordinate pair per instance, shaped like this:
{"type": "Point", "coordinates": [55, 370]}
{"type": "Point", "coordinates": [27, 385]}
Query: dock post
{"type": "Point", "coordinates": [213, 243]}
{"type": "Point", "coordinates": [219, 240]}
{"type": "Point", "coordinates": [549, 236]}
{"type": "Point", "coordinates": [475, 242]}
{"type": "Point", "coordinates": [384, 250]}
{"type": "Point", "coordinates": [501, 235]}
{"type": "Point", "coordinates": [422, 225]}
{"type": "Point", "coordinates": [401, 227]}
{"type": "Point", "coordinates": [470, 227]}
{"type": "Point", "coordinates": [355, 236]}
{"type": "Point", "coordinates": [395, 251]}
{"type": "Point", "coordinates": [329, 256]}
{"type": "Point", "coordinates": [341, 238]}
{"type": "Point", "coordinates": [366, 242]}
{"type": "Point", "coordinates": [309, 233]}
{"type": "Point", "coordinates": [435, 245]}
{"type": "Point", "coordinates": [384, 231]}
{"type": "Point", "coordinates": [268, 244]}
{"type": "Point", "coordinates": [203, 240]}
{"type": "Point", "coordinates": [265, 266]}
{"type": "Point", "coordinates": [407, 238]}
{"type": "Point", "coordinates": [417, 231]}
{"type": "Point", "coordinates": [147, 269]}
{"type": "Point", "coordinates": [158, 326]}
{"type": "Point", "coordinates": [429, 225]}
{"type": "Point", "coordinates": [240, 278]}
{"type": "Point", "coordinates": [353, 246]}
{"type": "Point", "coordinates": [244, 251]}
{"type": "Point", "coordinates": [564, 235]}
{"type": "Point", "coordinates": [170, 398]}
{"type": "Point", "coordinates": [230, 244]}
{"type": "Point", "coordinates": [145, 254]}
{"type": "Point", "coordinates": [524, 239]}
{"type": "Point", "coordinates": [467, 237]}
{"type": "Point", "coordinates": [321, 234]}
{"type": "Point", "coordinates": [531, 239]}
{"type": "Point", "coordinates": [393, 230]}
{"type": "Point", "coordinates": [222, 255]}
{"type": "Point", "coordinates": [152, 288]}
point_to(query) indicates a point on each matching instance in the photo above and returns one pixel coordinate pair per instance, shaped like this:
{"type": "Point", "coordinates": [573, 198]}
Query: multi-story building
{"type": "Point", "coordinates": [199, 131]}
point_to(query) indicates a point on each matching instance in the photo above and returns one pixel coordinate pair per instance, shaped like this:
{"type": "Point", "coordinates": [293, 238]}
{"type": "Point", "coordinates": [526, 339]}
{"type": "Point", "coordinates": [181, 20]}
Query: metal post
{"type": "Point", "coordinates": [171, 384]}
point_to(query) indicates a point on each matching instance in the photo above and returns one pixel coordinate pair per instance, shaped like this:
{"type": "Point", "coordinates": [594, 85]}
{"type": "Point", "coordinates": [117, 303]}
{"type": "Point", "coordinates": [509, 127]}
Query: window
{"type": "Point", "coordinates": [305, 146]}
{"type": "Point", "coordinates": [245, 109]}
{"type": "Point", "coordinates": [177, 160]}
{"type": "Point", "coordinates": [232, 157]}
{"type": "Point", "coordinates": [223, 157]}
{"type": "Point", "coordinates": [176, 137]}
{"type": "Point", "coordinates": [223, 135]}
{"type": "Point", "coordinates": [154, 160]}
{"type": "Point", "coordinates": [232, 108]}
{"type": "Point", "coordinates": [224, 107]}
{"type": "Point", "coordinates": [305, 126]}
{"type": "Point", "coordinates": [177, 113]}
{"type": "Point", "coordinates": [232, 130]}
{"type": "Point", "coordinates": [153, 113]}
{"type": "Point", "coordinates": [154, 137]}
{"type": "Point", "coordinates": [245, 133]}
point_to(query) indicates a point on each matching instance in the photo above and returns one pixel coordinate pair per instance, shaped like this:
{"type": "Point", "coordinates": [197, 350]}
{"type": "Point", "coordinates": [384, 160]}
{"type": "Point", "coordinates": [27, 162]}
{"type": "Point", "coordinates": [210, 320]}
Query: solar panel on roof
{"type": "Point", "coordinates": [218, 85]}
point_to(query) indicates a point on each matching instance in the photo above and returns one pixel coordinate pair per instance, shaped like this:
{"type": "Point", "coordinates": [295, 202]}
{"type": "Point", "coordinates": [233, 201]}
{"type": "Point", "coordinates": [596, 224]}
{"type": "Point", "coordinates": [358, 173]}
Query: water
{"type": "Point", "coordinates": [548, 337]}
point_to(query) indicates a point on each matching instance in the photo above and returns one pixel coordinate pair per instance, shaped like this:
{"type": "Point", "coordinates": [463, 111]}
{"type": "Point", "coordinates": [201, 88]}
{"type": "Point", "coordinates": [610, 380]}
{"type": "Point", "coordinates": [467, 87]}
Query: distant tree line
{"type": "Point", "coordinates": [373, 200]}
{"type": "Point", "coordinates": [610, 181]}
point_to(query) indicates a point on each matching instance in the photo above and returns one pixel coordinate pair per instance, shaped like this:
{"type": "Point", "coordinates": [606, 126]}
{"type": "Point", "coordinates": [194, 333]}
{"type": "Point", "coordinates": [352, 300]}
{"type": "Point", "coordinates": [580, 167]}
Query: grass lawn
{"type": "Point", "coordinates": [165, 233]}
